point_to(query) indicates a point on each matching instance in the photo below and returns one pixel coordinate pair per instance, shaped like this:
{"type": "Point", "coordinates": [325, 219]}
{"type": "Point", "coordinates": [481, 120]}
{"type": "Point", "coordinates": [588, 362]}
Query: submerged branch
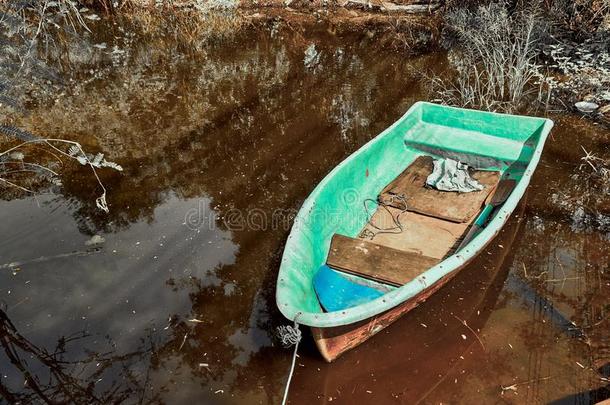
{"type": "Point", "coordinates": [75, 152]}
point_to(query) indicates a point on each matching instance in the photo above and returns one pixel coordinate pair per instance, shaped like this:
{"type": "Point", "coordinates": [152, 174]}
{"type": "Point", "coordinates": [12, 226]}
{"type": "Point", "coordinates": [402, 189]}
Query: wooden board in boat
{"type": "Point", "coordinates": [421, 234]}
{"type": "Point", "coordinates": [376, 262]}
{"type": "Point", "coordinates": [452, 206]}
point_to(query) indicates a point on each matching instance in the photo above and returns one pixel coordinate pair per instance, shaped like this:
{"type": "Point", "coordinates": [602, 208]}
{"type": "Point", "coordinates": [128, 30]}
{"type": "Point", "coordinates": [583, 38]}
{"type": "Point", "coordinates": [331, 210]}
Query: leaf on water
{"type": "Point", "coordinates": [95, 240]}
{"type": "Point", "coordinates": [586, 106]}
{"type": "Point", "coordinates": [97, 159]}
{"type": "Point", "coordinates": [74, 150]}
{"type": "Point", "coordinates": [112, 165]}
{"type": "Point", "coordinates": [183, 341]}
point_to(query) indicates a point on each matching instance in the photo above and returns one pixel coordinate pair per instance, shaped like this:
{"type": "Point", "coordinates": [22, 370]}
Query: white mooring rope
{"type": "Point", "coordinates": [290, 335]}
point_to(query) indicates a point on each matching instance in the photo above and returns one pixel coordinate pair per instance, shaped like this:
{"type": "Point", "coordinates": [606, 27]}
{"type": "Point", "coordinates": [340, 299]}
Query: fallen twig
{"type": "Point", "coordinates": [513, 387]}
{"type": "Point", "coordinates": [183, 341]}
{"type": "Point", "coordinates": [472, 330]}
{"type": "Point", "coordinates": [15, 264]}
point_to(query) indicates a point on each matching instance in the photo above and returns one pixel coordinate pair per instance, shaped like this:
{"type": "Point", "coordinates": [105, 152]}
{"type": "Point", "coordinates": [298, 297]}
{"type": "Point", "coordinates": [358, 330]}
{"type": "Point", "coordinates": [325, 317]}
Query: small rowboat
{"type": "Point", "coordinates": [373, 241]}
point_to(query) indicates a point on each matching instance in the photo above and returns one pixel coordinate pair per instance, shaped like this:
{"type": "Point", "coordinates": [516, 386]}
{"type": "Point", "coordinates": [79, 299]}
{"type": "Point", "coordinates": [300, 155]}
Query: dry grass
{"type": "Point", "coordinates": [39, 22]}
{"type": "Point", "coordinates": [30, 32]}
{"type": "Point", "coordinates": [581, 17]}
{"type": "Point", "coordinates": [600, 169]}
{"type": "Point", "coordinates": [495, 60]}
{"type": "Point", "coordinates": [197, 24]}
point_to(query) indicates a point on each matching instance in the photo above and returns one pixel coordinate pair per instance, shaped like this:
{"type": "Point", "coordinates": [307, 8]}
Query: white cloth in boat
{"type": "Point", "coordinates": [451, 175]}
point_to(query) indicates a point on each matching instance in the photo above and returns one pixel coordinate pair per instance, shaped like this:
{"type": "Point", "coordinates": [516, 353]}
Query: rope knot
{"type": "Point", "coordinates": [289, 335]}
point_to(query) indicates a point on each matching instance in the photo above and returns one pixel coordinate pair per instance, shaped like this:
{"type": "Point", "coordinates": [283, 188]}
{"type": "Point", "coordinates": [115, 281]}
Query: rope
{"type": "Point", "coordinates": [290, 335]}
{"type": "Point", "coordinates": [398, 226]}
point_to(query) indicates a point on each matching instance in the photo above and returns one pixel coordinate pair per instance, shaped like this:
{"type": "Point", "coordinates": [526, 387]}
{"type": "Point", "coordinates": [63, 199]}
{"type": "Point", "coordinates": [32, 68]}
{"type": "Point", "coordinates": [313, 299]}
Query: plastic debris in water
{"type": "Point", "coordinates": [586, 106]}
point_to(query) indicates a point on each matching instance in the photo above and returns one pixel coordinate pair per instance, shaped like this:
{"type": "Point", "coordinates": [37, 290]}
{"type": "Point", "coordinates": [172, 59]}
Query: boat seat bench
{"type": "Point", "coordinates": [423, 234]}
{"type": "Point", "coordinates": [376, 262]}
{"type": "Point", "coordinates": [383, 265]}
{"type": "Point", "coordinates": [410, 186]}
{"type": "Point", "coordinates": [435, 223]}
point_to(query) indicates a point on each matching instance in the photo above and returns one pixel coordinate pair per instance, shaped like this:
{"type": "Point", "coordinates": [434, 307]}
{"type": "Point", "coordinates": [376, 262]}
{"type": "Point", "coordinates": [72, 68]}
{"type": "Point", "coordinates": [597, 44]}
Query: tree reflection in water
{"type": "Point", "coordinates": [66, 380]}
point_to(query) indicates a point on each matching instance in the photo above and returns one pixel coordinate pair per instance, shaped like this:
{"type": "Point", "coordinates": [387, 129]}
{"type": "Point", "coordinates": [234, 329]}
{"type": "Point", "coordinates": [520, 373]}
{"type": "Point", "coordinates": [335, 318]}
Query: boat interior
{"type": "Point", "coordinates": [412, 228]}
{"type": "Point", "coordinates": [393, 229]}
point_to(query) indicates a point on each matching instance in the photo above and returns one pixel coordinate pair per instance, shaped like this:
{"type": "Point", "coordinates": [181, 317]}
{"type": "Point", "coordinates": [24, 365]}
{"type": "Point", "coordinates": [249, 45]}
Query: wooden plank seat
{"type": "Point", "coordinates": [451, 206]}
{"type": "Point", "coordinates": [376, 262]}
{"type": "Point", "coordinates": [429, 236]}
{"type": "Point", "coordinates": [432, 227]}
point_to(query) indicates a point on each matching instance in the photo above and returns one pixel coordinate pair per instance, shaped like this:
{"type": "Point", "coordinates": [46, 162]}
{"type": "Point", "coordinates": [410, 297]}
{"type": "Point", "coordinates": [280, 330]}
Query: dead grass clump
{"type": "Point", "coordinates": [599, 170]}
{"type": "Point", "coordinates": [196, 23]}
{"type": "Point", "coordinates": [412, 35]}
{"type": "Point", "coordinates": [582, 18]}
{"type": "Point", "coordinates": [29, 30]}
{"type": "Point", "coordinates": [494, 59]}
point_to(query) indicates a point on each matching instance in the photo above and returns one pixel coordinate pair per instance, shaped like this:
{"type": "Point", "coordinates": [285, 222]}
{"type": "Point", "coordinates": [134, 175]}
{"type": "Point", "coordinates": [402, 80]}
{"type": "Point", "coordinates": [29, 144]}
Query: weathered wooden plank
{"type": "Point", "coordinates": [432, 237]}
{"type": "Point", "coordinates": [451, 206]}
{"type": "Point", "coordinates": [376, 262]}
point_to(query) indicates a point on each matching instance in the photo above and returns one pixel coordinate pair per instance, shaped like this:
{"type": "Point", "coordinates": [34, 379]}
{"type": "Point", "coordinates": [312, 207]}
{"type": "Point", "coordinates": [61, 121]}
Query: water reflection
{"type": "Point", "coordinates": [176, 306]}
{"type": "Point", "coordinates": [199, 134]}
{"type": "Point", "coordinates": [127, 298]}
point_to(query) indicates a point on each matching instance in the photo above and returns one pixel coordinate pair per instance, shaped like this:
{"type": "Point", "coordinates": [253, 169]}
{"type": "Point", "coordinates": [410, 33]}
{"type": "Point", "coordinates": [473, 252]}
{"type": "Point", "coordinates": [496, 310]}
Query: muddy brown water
{"type": "Point", "coordinates": [219, 146]}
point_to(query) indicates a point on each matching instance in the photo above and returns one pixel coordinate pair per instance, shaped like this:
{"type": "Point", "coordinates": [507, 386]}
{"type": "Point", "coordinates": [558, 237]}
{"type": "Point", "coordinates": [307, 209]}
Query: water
{"type": "Point", "coordinates": [219, 146]}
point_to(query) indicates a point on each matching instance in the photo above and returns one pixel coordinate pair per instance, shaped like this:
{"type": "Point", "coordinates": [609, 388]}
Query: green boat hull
{"type": "Point", "coordinates": [489, 141]}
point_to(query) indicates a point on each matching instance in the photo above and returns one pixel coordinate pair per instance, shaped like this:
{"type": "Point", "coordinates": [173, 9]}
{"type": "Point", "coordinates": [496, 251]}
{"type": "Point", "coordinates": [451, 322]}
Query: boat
{"type": "Point", "coordinates": [433, 344]}
{"type": "Point", "coordinates": [373, 240]}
